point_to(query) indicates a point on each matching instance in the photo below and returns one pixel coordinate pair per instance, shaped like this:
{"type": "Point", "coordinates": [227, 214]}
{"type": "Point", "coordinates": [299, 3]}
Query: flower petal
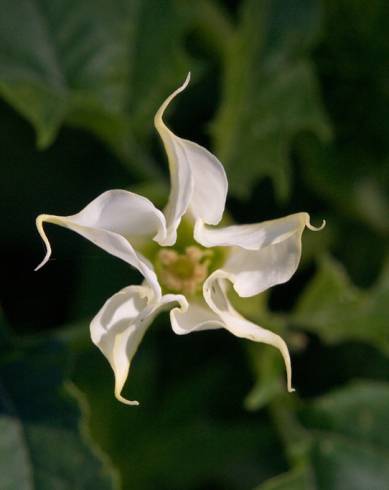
{"type": "Point", "coordinates": [216, 297]}
{"type": "Point", "coordinates": [117, 330]}
{"type": "Point", "coordinates": [262, 255]}
{"type": "Point", "coordinates": [198, 179]}
{"type": "Point", "coordinates": [254, 272]}
{"type": "Point", "coordinates": [253, 236]}
{"type": "Point", "coordinates": [193, 317]}
{"type": "Point", "coordinates": [110, 221]}
{"type": "Point", "coordinates": [120, 325]}
{"type": "Point", "coordinates": [210, 184]}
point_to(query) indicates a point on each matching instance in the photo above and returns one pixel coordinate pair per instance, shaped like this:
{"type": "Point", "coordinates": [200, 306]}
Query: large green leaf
{"type": "Point", "coordinates": [270, 92]}
{"type": "Point", "coordinates": [71, 54]}
{"type": "Point", "coordinates": [351, 437]}
{"type": "Point", "coordinates": [332, 307]}
{"type": "Point", "coordinates": [347, 441]}
{"type": "Point", "coordinates": [43, 445]}
{"type": "Point", "coordinates": [104, 66]}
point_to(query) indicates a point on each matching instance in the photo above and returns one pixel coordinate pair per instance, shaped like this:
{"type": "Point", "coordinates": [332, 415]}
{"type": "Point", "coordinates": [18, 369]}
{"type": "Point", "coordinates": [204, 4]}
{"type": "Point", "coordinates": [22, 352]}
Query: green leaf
{"type": "Point", "coordinates": [72, 54]}
{"type": "Point", "coordinates": [270, 92]}
{"type": "Point", "coordinates": [348, 439]}
{"type": "Point", "coordinates": [42, 444]}
{"type": "Point", "coordinates": [104, 66]}
{"type": "Point", "coordinates": [351, 437]}
{"type": "Point", "coordinates": [337, 311]}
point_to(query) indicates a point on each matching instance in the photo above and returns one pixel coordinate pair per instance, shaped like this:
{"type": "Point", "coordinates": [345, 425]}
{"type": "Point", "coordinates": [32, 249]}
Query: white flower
{"type": "Point", "coordinates": [193, 279]}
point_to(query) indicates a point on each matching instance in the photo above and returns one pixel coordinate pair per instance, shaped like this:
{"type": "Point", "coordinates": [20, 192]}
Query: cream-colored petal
{"type": "Point", "coordinates": [198, 180]}
{"type": "Point", "coordinates": [216, 297]}
{"type": "Point", "coordinates": [254, 272]}
{"type": "Point", "coordinates": [195, 316]}
{"type": "Point", "coordinates": [118, 329]}
{"type": "Point", "coordinates": [261, 255]}
{"type": "Point", "coordinates": [181, 180]}
{"type": "Point", "coordinates": [110, 221]}
{"type": "Point", "coordinates": [120, 325]}
{"type": "Point", "coordinates": [210, 185]}
{"type": "Point", "coordinates": [253, 236]}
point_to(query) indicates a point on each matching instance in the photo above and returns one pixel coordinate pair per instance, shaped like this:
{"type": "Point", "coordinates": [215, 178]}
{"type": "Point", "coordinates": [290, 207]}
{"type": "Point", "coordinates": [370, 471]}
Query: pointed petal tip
{"type": "Point", "coordinates": [158, 122]}
{"type": "Point", "coordinates": [187, 79]}
{"type": "Point", "coordinates": [40, 265]}
{"type": "Point", "coordinates": [44, 261]}
{"type": "Point", "coordinates": [184, 85]}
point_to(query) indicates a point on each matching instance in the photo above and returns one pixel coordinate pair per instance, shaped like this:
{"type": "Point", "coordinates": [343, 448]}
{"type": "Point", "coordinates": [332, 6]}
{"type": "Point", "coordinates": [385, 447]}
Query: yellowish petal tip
{"type": "Point", "coordinates": [39, 224]}
{"type": "Point", "coordinates": [132, 403]}
{"type": "Point", "coordinates": [184, 85]}
{"type": "Point", "coordinates": [121, 399]}
{"type": "Point", "coordinates": [315, 228]}
{"type": "Point", "coordinates": [158, 122]}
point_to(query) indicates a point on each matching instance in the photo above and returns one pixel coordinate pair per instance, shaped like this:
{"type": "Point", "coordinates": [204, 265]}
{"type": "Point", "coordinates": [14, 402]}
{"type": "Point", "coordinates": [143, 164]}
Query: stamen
{"type": "Point", "coordinates": [167, 257]}
{"type": "Point", "coordinates": [183, 273]}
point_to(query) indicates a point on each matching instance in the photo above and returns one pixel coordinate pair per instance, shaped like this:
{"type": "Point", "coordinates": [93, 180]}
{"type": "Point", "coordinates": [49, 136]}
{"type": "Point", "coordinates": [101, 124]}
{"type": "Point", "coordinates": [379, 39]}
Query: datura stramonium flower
{"type": "Point", "coordinates": [189, 272]}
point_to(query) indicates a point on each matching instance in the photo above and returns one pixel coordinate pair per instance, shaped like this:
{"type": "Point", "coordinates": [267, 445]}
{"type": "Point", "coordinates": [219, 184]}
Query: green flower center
{"type": "Point", "coordinates": [185, 266]}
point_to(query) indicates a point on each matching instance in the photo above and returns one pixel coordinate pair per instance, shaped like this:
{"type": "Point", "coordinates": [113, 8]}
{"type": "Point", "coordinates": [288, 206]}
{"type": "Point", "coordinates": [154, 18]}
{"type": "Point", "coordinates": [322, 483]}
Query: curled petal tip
{"type": "Point", "coordinates": [39, 224]}
{"type": "Point", "coordinates": [315, 228]}
{"type": "Point", "coordinates": [133, 403]}
{"type": "Point", "coordinates": [121, 399]}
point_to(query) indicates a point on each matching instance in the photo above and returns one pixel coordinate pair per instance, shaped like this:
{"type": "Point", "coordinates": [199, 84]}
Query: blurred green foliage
{"type": "Point", "coordinates": [269, 92]}
{"type": "Point", "coordinates": [293, 97]}
{"type": "Point", "coordinates": [43, 442]}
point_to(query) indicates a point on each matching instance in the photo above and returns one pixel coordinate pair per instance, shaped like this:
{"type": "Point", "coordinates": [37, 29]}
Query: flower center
{"type": "Point", "coordinates": [183, 273]}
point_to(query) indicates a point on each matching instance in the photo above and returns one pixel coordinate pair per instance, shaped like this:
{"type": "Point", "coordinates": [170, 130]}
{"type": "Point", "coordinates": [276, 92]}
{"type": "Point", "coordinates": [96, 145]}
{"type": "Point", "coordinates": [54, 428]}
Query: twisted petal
{"type": "Point", "coordinates": [216, 297]}
{"type": "Point", "coordinates": [194, 317]}
{"type": "Point", "coordinates": [111, 221]}
{"type": "Point", "coordinates": [120, 325]}
{"type": "Point", "coordinates": [262, 255]}
{"type": "Point", "coordinates": [198, 180]}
